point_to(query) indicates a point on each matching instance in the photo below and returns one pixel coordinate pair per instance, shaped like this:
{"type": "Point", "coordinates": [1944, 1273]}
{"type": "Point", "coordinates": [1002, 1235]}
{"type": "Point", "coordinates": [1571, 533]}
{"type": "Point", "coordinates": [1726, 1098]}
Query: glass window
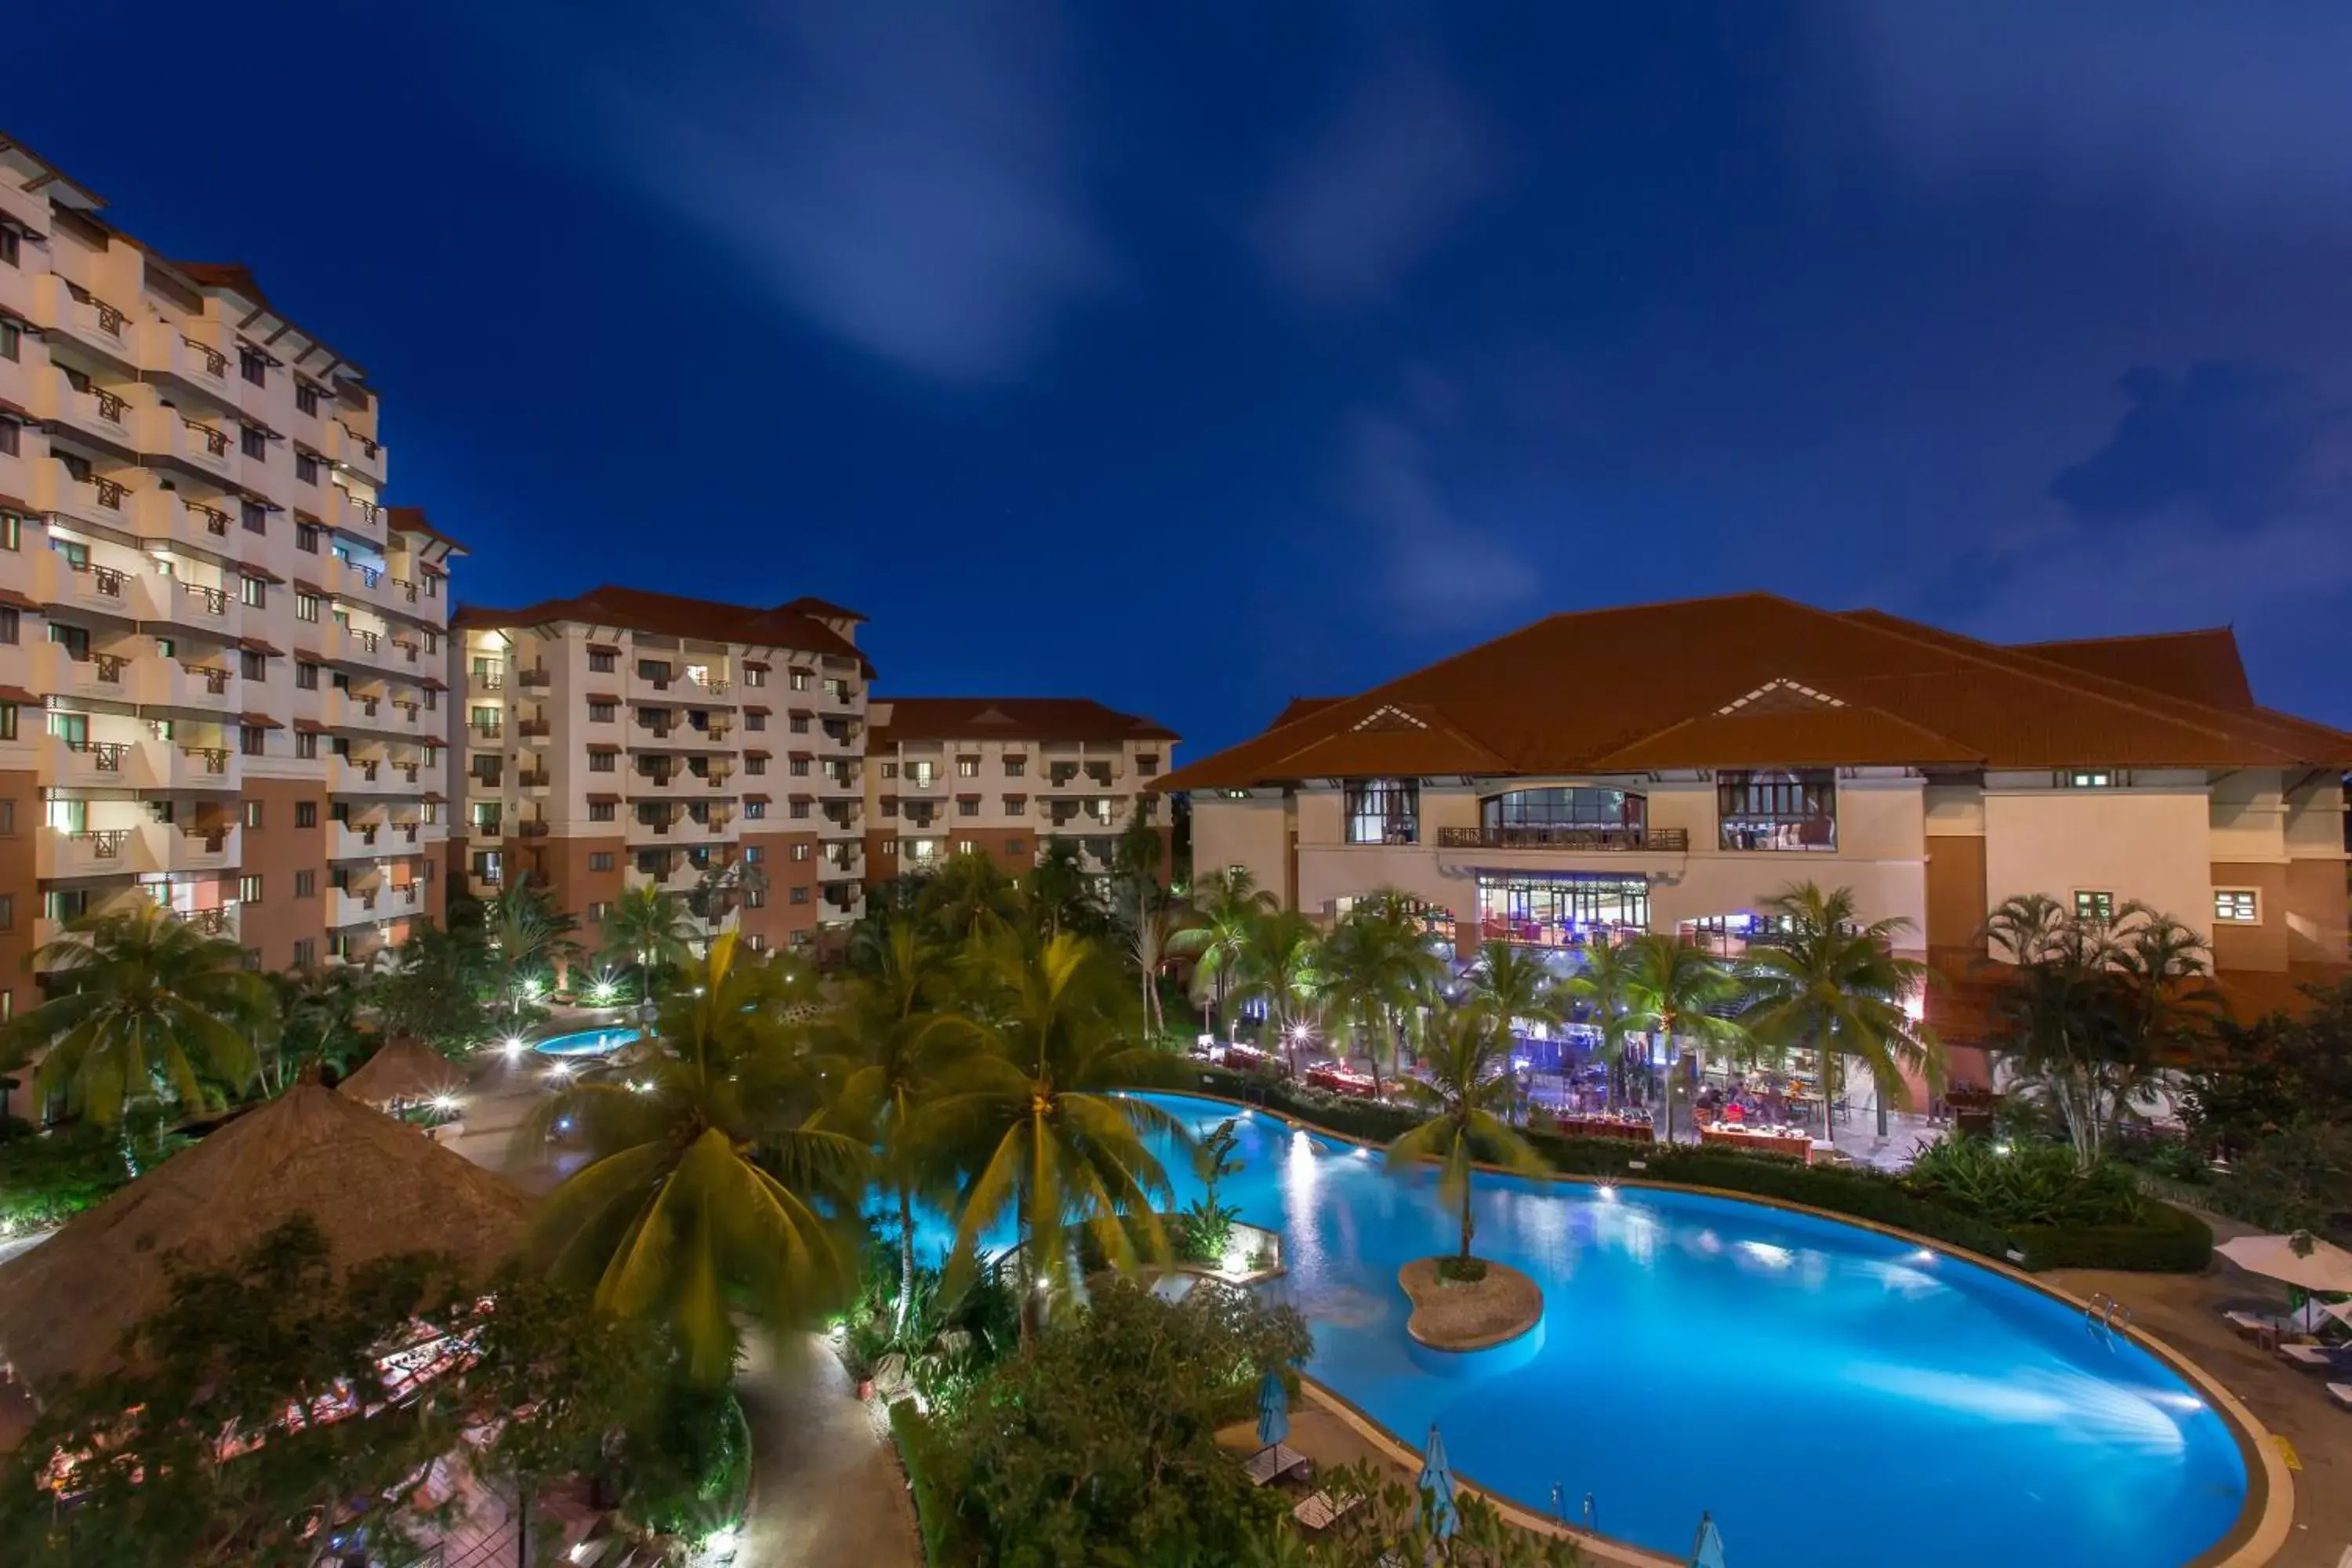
{"type": "Point", "coordinates": [599, 662]}
{"type": "Point", "coordinates": [1572, 815]}
{"type": "Point", "coordinates": [2238, 906]}
{"type": "Point", "coordinates": [2093, 904]}
{"type": "Point", "coordinates": [1566, 909]}
{"type": "Point", "coordinates": [1383, 811]}
{"type": "Point", "coordinates": [1794, 809]}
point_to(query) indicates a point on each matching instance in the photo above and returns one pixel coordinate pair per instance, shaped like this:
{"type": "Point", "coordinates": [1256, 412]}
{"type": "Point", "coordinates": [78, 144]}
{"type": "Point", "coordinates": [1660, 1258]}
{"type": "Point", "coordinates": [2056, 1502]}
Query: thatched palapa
{"type": "Point", "coordinates": [405, 1072]}
{"type": "Point", "coordinates": [375, 1186]}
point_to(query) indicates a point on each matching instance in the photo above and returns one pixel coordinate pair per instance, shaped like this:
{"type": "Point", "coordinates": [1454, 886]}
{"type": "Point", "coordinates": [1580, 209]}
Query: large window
{"type": "Point", "coordinates": [1777, 810]}
{"type": "Point", "coordinates": [1383, 811]}
{"type": "Point", "coordinates": [1570, 815]}
{"type": "Point", "coordinates": [1563, 911]}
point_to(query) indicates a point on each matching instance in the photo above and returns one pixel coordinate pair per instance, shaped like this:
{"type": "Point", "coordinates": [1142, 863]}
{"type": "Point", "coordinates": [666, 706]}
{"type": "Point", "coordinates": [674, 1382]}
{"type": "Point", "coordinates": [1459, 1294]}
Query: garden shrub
{"type": "Point", "coordinates": [2023, 1184]}
{"type": "Point", "coordinates": [2158, 1239]}
{"type": "Point", "coordinates": [947, 1542]}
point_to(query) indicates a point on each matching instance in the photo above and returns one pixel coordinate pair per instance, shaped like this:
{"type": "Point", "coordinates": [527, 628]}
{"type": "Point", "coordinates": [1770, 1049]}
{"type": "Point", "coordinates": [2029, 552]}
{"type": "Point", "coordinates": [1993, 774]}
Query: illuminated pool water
{"type": "Point", "coordinates": [1837, 1398]}
{"type": "Point", "coordinates": [584, 1043]}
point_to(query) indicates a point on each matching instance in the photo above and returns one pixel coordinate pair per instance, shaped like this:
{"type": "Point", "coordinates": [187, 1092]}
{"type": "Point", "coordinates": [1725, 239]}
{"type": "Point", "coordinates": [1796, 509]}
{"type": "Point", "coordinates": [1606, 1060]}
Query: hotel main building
{"type": "Point", "coordinates": [1669, 767]}
{"type": "Point", "coordinates": [221, 660]}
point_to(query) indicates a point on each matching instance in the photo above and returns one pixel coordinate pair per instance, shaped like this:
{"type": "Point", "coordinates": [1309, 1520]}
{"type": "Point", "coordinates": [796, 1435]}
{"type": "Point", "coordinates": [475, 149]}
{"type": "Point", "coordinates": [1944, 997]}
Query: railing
{"type": "Point", "coordinates": [105, 843]}
{"type": "Point", "coordinates": [536, 827]}
{"type": "Point", "coordinates": [106, 756]}
{"type": "Point", "coordinates": [718, 688]}
{"type": "Point", "coordinates": [215, 600]}
{"type": "Point", "coordinates": [534, 728]}
{"type": "Point", "coordinates": [1565, 835]}
{"type": "Point", "coordinates": [490, 680]}
{"type": "Point", "coordinates": [408, 651]}
{"type": "Point", "coordinates": [213, 840]}
{"type": "Point", "coordinates": [109, 319]}
{"type": "Point", "coordinates": [369, 641]}
{"type": "Point", "coordinates": [369, 576]}
{"type": "Point", "coordinates": [537, 675]}
{"type": "Point", "coordinates": [367, 705]}
{"type": "Point", "coordinates": [216, 680]}
{"type": "Point", "coordinates": [215, 362]}
{"type": "Point", "coordinates": [112, 406]}
{"type": "Point", "coordinates": [110, 494]}
{"type": "Point", "coordinates": [406, 589]}
{"type": "Point", "coordinates": [216, 520]}
{"type": "Point", "coordinates": [488, 731]}
{"type": "Point", "coordinates": [210, 922]}
{"type": "Point", "coordinates": [541, 780]}
{"type": "Point", "coordinates": [109, 667]}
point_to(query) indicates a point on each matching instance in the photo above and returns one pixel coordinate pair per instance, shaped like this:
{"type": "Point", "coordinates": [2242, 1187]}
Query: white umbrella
{"type": "Point", "coordinates": [2320, 1266]}
{"type": "Point", "coordinates": [2340, 1311]}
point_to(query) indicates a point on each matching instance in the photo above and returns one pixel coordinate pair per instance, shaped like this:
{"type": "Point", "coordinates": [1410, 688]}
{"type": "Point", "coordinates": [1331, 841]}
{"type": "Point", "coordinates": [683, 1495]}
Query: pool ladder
{"type": "Point", "coordinates": [1560, 1509]}
{"type": "Point", "coordinates": [2104, 1310]}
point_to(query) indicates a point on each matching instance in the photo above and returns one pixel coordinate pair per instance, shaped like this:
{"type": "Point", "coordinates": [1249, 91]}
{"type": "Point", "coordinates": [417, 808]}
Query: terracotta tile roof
{"type": "Point", "coordinates": [808, 604]}
{"type": "Point", "coordinates": [2202, 667]}
{"type": "Point", "coordinates": [1717, 682]}
{"type": "Point", "coordinates": [1299, 708]}
{"type": "Point", "coordinates": [1010, 718]}
{"type": "Point", "coordinates": [412, 519]}
{"type": "Point", "coordinates": [673, 614]}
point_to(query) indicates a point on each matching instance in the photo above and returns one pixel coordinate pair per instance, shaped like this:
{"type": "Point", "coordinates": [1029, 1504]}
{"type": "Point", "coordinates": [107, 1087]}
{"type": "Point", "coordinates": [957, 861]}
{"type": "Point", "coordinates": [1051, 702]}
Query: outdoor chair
{"type": "Point", "coordinates": [2342, 1394]}
{"type": "Point", "coordinates": [1322, 1511]}
{"type": "Point", "coordinates": [1269, 1465]}
{"type": "Point", "coordinates": [2318, 1358]}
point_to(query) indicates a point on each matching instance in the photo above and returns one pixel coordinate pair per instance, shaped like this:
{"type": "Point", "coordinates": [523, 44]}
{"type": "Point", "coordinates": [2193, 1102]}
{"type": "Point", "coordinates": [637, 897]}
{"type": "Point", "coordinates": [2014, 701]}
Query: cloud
{"type": "Point", "coordinates": [2238, 441]}
{"type": "Point", "coordinates": [901, 176]}
{"type": "Point", "coordinates": [1374, 191]}
{"type": "Point", "coordinates": [1427, 557]}
{"type": "Point", "coordinates": [2236, 110]}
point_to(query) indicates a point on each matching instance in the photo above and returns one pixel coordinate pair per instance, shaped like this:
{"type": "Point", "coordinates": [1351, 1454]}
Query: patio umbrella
{"type": "Point", "coordinates": [1273, 1411]}
{"type": "Point", "coordinates": [2340, 1311]}
{"type": "Point", "coordinates": [1707, 1551]}
{"type": "Point", "coordinates": [1437, 1481]}
{"type": "Point", "coordinates": [2301, 1259]}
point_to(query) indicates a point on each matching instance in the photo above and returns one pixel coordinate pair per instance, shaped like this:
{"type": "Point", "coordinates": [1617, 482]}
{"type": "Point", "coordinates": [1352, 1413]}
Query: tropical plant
{"type": "Point", "coordinates": [1048, 1137]}
{"type": "Point", "coordinates": [1602, 988]}
{"type": "Point", "coordinates": [1280, 962]}
{"type": "Point", "coordinates": [1159, 921]}
{"type": "Point", "coordinates": [1225, 909]}
{"type": "Point", "coordinates": [888, 1047]}
{"type": "Point", "coordinates": [431, 986]}
{"type": "Point", "coordinates": [527, 935]}
{"type": "Point", "coordinates": [1391, 1522]}
{"type": "Point", "coordinates": [1674, 990]}
{"type": "Point", "coordinates": [1207, 1225]}
{"type": "Point", "coordinates": [1062, 893]}
{"type": "Point", "coordinates": [2021, 1183]}
{"type": "Point", "coordinates": [317, 1019]}
{"type": "Point", "coordinates": [145, 1006]}
{"type": "Point", "coordinates": [709, 1178]}
{"type": "Point", "coordinates": [648, 928]}
{"type": "Point", "coordinates": [1824, 980]}
{"type": "Point", "coordinates": [1468, 1093]}
{"type": "Point", "coordinates": [1375, 970]}
{"type": "Point", "coordinates": [967, 897]}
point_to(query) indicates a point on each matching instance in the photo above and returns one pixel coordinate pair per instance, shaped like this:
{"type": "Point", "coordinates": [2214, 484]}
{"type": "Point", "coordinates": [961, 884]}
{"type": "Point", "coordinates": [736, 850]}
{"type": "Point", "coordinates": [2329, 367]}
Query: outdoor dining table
{"type": "Point", "coordinates": [1607, 1127]}
{"type": "Point", "coordinates": [1789, 1145]}
{"type": "Point", "coordinates": [1338, 1081]}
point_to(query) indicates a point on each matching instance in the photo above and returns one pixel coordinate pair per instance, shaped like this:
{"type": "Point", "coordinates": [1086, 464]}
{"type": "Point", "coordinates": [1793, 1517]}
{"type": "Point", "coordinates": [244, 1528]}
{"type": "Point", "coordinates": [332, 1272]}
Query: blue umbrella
{"type": "Point", "coordinates": [1707, 1551]}
{"type": "Point", "coordinates": [1273, 1410]}
{"type": "Point", "coordinates": [1437, 1482]}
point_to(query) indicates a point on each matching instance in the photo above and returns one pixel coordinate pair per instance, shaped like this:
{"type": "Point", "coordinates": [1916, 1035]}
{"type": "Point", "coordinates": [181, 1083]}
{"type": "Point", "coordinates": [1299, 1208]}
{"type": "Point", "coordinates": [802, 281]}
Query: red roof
{"type": "Point", "coordinates": [673, 614]}
{"type": "Point", "coordinates": [807, 604]}
{"type": "Point", "coordinates": [1756, 679]}
{"type": "Point", "coordinates": [1010, 718]}
{"type": "Point", "coordinates": [412, 519]}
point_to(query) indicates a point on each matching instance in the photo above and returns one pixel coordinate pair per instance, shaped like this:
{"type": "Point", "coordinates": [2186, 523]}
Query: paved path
{"type": "Point", "coordinates": [826, 1489]}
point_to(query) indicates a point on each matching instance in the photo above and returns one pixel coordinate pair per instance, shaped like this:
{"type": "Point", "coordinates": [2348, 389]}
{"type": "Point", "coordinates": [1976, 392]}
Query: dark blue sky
{"type": "Point", "coordinates": [1192, 357]}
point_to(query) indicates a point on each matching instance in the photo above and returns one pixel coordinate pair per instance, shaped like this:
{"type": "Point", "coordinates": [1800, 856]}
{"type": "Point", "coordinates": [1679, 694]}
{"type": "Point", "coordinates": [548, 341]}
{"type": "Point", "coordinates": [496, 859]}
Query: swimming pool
{"type": "Point", "coordinates": [584, 1043]}
{"type": "Point", "coordinates": [1838, 1398]}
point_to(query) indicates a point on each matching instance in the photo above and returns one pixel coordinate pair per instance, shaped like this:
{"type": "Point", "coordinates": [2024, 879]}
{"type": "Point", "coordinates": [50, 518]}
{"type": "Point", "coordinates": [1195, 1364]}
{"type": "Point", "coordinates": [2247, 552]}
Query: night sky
{"type": "Point", "coordinates": [1195, 356]}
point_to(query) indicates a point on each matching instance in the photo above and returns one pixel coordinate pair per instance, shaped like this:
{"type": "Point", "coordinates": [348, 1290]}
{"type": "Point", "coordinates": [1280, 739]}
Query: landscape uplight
{"type": "Point", "coordinates": [511, 1046]}
{"type": "Point", "coordinates": [444, 1102]}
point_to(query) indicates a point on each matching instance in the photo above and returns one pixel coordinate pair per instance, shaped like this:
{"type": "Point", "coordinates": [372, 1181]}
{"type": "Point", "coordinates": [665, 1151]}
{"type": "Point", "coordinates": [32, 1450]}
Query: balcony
{"type": "Point", "coordinates": [368, 841]}
{"type": "Point", "coordinates": [163, 347]}
{"type": "Point", "coordinates": [87, 852]}
{"type": "Point", "coordinates": [170, 846]}
{"type": "Point", "coordinates": [96, 412]}
{"type": "Point", "coordinates": [115, 589]}
{"type": "Point", "coordinates": [82, 316]}
{"type": "Point", "coordinates": [88, 763]}
{"type": "Point", "coordinates": [102, 676]}
{"type": "Point", "coordinates": [533, 827]}
{"type": "Point", "coordinates": [352, 907]}
{"type": "Point", "coordinates": [536, 782]}
{"type": "Point", "coordinates": [184, 683]}
{"type": "Point", "coordinates": [181, 518]}
{"type": "Point", "coordinates": [220, 921]}
{"type": "Point", "coordinates": [535, 677]}
{"type": "Point", "coordinates": [362, 455]}
{"type": "Point", "coordinates": [534, 728]}
{"type": "Point", "coordinates": [363, 776]}
{"type": "Point", "coordinates": [1576, 837]}
{"type": "Point", "coordinates": [487, 680]}
{"type": "Point", "coordinates": [204, 446]}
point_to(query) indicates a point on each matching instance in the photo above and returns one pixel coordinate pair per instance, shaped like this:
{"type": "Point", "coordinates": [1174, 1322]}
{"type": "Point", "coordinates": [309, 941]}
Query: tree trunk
{"type": "Point", "coordinates": [1468, 1226]}
{"type": "Point", "coordinates": [906, 1259]}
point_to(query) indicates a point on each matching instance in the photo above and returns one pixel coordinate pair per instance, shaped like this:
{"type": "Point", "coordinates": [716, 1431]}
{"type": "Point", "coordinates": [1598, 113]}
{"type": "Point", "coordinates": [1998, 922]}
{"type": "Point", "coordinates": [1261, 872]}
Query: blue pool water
{"type": "Point", "coordinates": [584, 1043]}
{"type": "Point", "coordinates": [1837, 1399]}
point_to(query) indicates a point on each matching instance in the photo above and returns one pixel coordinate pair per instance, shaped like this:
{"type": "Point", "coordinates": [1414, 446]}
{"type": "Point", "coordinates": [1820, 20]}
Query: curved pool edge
{"type": "Point", "coordinates": [2260, 1531]}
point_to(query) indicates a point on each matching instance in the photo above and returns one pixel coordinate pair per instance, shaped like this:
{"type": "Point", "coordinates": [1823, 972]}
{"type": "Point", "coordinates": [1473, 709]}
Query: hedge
{"type": "Point", "coordinates": [2164, 1241]}
{"type": "Point", "coordinates": [945, 1544]}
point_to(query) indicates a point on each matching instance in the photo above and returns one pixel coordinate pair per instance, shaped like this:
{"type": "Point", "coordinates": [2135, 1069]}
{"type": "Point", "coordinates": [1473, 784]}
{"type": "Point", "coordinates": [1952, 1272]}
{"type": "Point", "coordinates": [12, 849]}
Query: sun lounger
{"type": "Point", "coordinates": [1268, 1464]}
{"type": "Point", "coordinates": [2253, 1323]}
{"type": "Point", "coordinates": [2317, 1358]}
{"type": "Point", "coordinates": [2341, 1392]}
{"type": "Point", "coordinates": [1322, 1511]}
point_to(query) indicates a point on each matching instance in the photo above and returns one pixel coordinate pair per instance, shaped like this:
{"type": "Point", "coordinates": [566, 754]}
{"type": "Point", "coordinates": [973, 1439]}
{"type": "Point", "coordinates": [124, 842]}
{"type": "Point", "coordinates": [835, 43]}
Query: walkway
{"type": "Point", "coordinates": [826, 1489]}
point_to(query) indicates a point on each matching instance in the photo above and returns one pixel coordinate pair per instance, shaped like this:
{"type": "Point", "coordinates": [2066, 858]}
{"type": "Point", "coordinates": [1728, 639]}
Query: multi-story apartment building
{"type": "Point", "coordinates": [1670, 767]}
{"type": "Point", "coordinates": [1004, 776]}
{"type": "Point", "coordinates": [219, 652]}
{"type": "Point", "coordinates": [625, 738]}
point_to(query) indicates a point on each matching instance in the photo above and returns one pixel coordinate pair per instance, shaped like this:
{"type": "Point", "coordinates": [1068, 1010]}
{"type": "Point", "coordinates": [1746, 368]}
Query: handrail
{"type": "Point", "coordinates": [1566, 835]}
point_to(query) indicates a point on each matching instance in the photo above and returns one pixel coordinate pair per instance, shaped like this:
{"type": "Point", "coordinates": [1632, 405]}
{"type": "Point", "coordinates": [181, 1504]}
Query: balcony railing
{"type": "Point", "coordinates": [215, 362]}
{"type": "Point", "coordinates": [535, 676]}
{"type": "Point", "coordinates": [112, 406]}
{"type": "Point", "coordinates": [110, 494]}
{"type": "Point", "coordinates": [104, 843]}
{"type": "Point", "coordinates": [106, 756]}
{"type": "Point", "coordinates": [541, 780]}
{"type": "Point", "coordinates": [108, 667]}
{"type": "Point", "coordinates": [212, 759]}
{"type": "Point", "coordinates": [210, 922]}
{"type": "Point", "coordinates": [534, 728]}
{"type": "Point", "coordinates": [215, 521]}
{"type": "Point", "coordinates": [211, 601]}
{"type": "Point", "coordinates": [1578, 836]}
{"type": "Point", "coordinates": [535, 828]}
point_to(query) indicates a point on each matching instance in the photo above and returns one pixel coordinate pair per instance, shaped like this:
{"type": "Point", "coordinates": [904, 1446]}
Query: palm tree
{"type": "Point", "coordinates": [1517, 986]}
{"type": "Point", "coordinates": [1603, 987]}
{"type": "Point", "coordinates": [1468, 1092]}
{"type": "Point", "coordinates": [708, 1177]}
{"type": "Point", "coordinates": [524, 930]}
{"type": "Point", "coordinates": [1159, 922]}
{"type": "Point", "coordinates": [1225, 909]}
{"type": "Point", "coordinates": [1279, 960]}
{"type": "Point", "coordinates": [967, 897]}
{"type": "Point", "coordinates": [1826, 982]}
{"type": "Point", "coordinates": [649, 927]}
{"type": "Point", "coordinates": [1061, 893]}
{"type": "Point", "coordinates": [889, 1046]}
{"type": "Point", "coordinates": [1375, 969]}
{"type": "Point", "coordinates": [1672, 988]}
{"type": "Point", "coordinates": [317, 1008]}
{"type": "Point", "coordinates": [145, 1003]}
{"type": "Point", "coordinates": [1046, 1136]}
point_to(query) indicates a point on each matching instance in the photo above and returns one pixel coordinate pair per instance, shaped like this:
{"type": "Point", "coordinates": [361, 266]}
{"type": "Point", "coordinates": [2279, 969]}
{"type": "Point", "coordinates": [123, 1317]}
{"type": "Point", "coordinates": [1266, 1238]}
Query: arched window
{"type": "Point", "coordinates": [1564, 815]}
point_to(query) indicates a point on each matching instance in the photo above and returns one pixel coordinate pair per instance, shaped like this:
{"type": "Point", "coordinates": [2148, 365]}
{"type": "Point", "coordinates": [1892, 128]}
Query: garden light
{"type": "Point", "coordinates": [511, 1046]}
{"type": "Point", "coordinates": [444, 1102]}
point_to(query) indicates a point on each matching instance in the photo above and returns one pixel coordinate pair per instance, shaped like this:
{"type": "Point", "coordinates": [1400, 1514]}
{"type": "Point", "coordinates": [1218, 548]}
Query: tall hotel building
{"type": "Point", "coordinates": [221, 660]}
{"type": "Point", "coordinates": [1004, 778]}
{"type": "Point", "coordinates": [1671, 767]}
{"type": "Point", "coordinates": [626, 739]}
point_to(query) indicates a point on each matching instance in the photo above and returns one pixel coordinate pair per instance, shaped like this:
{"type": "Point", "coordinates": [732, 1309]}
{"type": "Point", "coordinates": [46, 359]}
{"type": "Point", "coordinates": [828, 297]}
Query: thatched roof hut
{"type": "Point", "coordinates": [375, 1186]}
{"type": "Point", "coordinates": [405, 1072]}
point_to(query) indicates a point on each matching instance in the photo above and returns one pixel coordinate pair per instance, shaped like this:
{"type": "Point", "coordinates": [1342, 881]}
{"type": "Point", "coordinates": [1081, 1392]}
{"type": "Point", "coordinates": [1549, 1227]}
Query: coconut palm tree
{"type": "Point", "coordinates": [1159, 922]}
{"type": "Point", "coordinates": [317, 1013]}
{"type": "Point", "coordinates": [648, 926]}
{"type": "Point", "coordinates": [525, 931]}
{"type": "Point", "coordinates": [888, 1048]}
{"type": "Point", "coordinates": [1375, 970]}
{"type": "Point", "coordinates": [967, 897]}
{"type": "Point", "coordinates": [1225, 909]}
{"type": "Point", "coordinates": [1517, 986]}
{"type": "Point", "coordinates": [1468, 1092]}
{"type": "Point", "coordinates": [1279, 960]}
{"type": "Point", "coordinates": [1045, 1136]}
{"type": "Point", "coordinates": [145, 1003]}
{"type": "Point", "coordinates": [710, 1177]}
{"type": "Point", "coordinates": [1061, 893]}
{"type": "Point", "coordinates": [1826, 982]}
{"type": "Point", "coordinates": [1602, 987]}
{"type": "Point", "coordinates": [1673, 990]}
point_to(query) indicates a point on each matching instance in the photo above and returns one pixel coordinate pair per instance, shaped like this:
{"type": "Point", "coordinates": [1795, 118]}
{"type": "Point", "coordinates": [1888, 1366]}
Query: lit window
{"type": "Point", "coordinates": [2238, 906]}
{"type": "Point", "coordinates": [2090, 778]}
{"type": "Point", "coordinates": [1379, 811]}
{"type": "Point", "coordinates": [2094, 905]}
